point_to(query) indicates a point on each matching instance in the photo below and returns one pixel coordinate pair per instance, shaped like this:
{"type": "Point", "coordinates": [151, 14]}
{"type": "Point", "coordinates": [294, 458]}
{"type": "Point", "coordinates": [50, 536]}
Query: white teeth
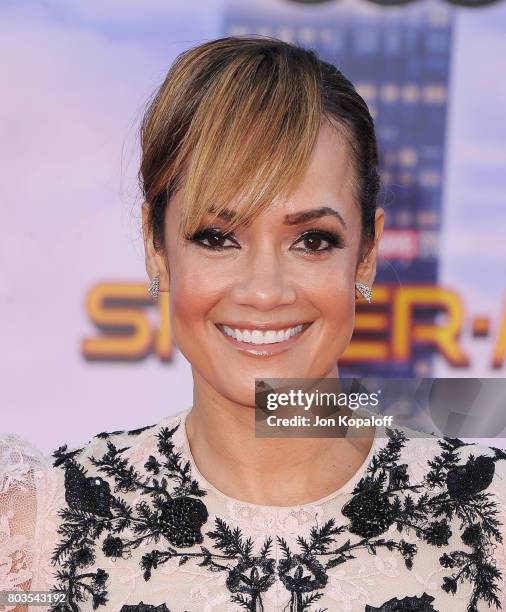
{"type": "Point", "coordinates": [255, 336]}
{"type": "Point", "coordinates": [270, 337]}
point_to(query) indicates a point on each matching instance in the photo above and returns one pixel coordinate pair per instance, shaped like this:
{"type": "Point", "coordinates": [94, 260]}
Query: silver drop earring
{"type": "Point", "coordinates": [365, 290]}
{"type": "Point", "coordinates": [154, 287]}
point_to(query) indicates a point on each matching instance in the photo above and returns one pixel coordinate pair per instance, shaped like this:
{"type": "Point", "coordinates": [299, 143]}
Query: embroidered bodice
{"type": "Point", "coordinates": [127, 523]}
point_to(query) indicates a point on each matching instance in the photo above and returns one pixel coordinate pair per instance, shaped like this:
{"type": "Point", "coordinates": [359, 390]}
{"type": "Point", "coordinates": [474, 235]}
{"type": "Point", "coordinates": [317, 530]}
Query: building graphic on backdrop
{"type": "Point", "coordinates": [398, 58]}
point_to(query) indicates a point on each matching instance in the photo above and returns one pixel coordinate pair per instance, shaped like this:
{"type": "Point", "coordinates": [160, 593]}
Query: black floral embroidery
{"type": "Point", "coordinates": [384, 497]}
{"type": "Point", "coordinates": [464, 497]}
{"type": "Point", "coordinates": [142, 607]}
{"type": "Point", "coordinates": [62, 455]}
{"type": "Point", "coordinates": [130, 432]}
{"type": "Point", "coordinates": [408, 604]}
{"type": "Point", "coordinates": [173, 514]}
{"type": "Point", "coordinates": [459, 491]}
{"type": "Point", "coordinates": [86, 493]}
{"type": "Point", "coordinates": [248, 575]}
{"type": "Point", "coordinates": [176, 515]}
{"type": "Point", "coordinates": [86, 497]}
{"type": "Point", "coordinates": [108, 434]}
{"type": "Point", "coordinates": [305, 572]}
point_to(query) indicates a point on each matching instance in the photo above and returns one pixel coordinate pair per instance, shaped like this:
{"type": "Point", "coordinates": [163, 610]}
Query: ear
{"type": "Point", "coordinates": [366, 268]}
{"type": "Point", "coordinates": [155, 262]}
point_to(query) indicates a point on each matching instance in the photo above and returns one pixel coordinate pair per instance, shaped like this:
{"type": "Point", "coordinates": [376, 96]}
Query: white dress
{"type": "Point", "coordinates": [128, 524]}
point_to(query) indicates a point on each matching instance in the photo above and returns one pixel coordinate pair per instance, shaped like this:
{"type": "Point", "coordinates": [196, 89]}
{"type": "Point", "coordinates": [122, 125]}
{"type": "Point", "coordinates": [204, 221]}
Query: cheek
{"type": "Point", "coordinates": [338, 296]}
{"type": "Point", "coordinates": [339, 315]}
{"type": "Point", "coordinates": [331, 287]}
{"type": "Point", "coordinates": [190, 298]}
{"type": "Point", "coordinates": [193, 292]}
{"type": "Point", "coordinates": [332, 293]}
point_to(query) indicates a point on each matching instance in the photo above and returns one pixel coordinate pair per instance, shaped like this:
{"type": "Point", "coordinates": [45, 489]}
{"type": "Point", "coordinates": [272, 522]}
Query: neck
{"type": "Point", "coordinates": [266, 471]}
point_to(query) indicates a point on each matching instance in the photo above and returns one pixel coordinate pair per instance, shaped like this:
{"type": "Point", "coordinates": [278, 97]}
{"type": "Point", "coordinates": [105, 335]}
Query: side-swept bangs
{"type": "Point", "coordinates": [233, 126]}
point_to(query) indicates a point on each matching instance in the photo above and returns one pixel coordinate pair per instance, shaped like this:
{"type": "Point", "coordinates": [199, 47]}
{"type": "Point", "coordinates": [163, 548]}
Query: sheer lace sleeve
{"type": "Point", "coordinates": [23, 476]}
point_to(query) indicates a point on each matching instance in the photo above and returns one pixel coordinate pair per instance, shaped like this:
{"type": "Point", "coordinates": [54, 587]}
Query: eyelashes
{"type": "Point", "coordinates": [215, 238]}
{"type": "Point", "coordinates": [312, 238]}
{"type": "Point", "coordinates": [334, 240]}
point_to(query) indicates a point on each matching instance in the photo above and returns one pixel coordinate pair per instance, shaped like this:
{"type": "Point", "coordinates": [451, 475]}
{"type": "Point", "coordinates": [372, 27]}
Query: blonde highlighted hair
{"type": "Point", "coordinates": [234, 124]}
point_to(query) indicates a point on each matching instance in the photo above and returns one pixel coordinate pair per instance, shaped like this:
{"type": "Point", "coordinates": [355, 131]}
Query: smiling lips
{"type": "Point", "coordinates": [262, 342]}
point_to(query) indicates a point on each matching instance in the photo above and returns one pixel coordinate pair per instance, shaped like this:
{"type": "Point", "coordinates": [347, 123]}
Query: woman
{"type": "Point", "coordinates": [259, 174]}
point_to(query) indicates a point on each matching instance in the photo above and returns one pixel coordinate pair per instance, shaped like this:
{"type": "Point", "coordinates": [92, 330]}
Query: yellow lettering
{"type": "Point", "coordinates": [117, 310]}
{"type": "Point", "coordinates": [443, 337]}
{"type": "Point", "coordinates": [500, 346]}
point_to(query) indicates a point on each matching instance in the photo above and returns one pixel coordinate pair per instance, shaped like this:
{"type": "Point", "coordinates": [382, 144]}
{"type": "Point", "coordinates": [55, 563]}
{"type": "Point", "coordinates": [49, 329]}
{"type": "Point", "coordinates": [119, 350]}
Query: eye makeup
{"type": "Point", "coordinates": [316, 236]}
{"type": "Point", "coordinates": [334, 240]}
{"type": "Point", "coordinates": [214, 236]}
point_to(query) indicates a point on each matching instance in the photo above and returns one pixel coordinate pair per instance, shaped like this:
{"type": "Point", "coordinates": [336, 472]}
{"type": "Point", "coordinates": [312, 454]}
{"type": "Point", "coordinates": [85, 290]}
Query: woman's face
{"type": "Point", "coordinates": [234, 300]}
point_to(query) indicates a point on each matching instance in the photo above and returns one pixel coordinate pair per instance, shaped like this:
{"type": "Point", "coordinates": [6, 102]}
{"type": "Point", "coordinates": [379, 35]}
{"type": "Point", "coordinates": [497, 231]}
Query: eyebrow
{"type": "Point", "coordinates": [313, 213]}
{"type": "Point", "coordinates": [296, 218]}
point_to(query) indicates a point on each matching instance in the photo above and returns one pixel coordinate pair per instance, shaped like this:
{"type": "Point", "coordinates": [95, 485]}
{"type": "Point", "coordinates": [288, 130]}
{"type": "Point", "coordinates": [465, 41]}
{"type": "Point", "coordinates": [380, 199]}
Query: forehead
{"type": "Point", "coordinates": [329, 180]}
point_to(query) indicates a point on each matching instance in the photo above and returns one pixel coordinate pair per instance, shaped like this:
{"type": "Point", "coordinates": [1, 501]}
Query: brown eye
{"type": "Point", "coordinates": [318, 241]}
{"type": "Point", "coordinates": [313, 243]}
{"type": "Point", "coordinates": [214, 238]}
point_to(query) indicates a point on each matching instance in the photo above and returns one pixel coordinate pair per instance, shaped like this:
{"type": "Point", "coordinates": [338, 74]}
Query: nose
{"type": "Point", "coordinates": [263, 282]}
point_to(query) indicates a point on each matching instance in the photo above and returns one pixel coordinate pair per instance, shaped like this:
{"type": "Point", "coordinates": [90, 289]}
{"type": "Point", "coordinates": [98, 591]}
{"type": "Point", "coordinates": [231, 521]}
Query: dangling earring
{"type": "Point", "coordinates": [365, 291]}
{"type": "Point", "coordinates": [154, 287]}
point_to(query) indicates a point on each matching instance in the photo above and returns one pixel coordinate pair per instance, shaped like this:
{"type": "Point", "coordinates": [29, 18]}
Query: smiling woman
{"type": "Point", "coordinates": [259, 173]}
{"type": "Point", "coordinates": [259, 176]}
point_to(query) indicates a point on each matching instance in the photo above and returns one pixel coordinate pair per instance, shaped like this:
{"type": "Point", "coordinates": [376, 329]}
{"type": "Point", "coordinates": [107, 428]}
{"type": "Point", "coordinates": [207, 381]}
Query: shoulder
{"type": "Point", "coordinates": [104, 487]}
{"type": "Point", "coordinates": [463, 468]}
{"type": "Point", "coordinates": [135, 441]}
{"type": "Point", "coordinates": [449, 496]}
{"type": "Point", "coordinates": [460, 480]}
{"type": "Point", "coordinates": [110, 461]}
{"type": "Point", "coordinates": [460, 464]}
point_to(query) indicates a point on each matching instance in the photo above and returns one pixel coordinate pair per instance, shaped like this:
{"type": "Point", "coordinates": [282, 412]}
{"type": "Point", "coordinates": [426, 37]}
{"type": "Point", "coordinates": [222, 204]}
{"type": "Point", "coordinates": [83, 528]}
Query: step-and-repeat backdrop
{"type": "Point", "coordinates": [84, 349]}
